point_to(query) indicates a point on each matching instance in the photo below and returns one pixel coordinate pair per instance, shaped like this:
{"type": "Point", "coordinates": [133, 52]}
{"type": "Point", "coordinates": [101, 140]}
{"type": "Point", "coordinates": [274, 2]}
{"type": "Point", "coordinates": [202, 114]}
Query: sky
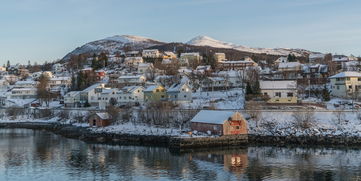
{"type": "Point", "coordinates": [46, 30]}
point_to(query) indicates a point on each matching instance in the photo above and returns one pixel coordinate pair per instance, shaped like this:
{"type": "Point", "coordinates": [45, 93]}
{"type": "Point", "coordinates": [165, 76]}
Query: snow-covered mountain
{"type": "Point", "coordinates": [208, 41]}
{"type": "Point", "coordinates": [118, 42]}
{"type": "Point", "coordinates": [114, 44]}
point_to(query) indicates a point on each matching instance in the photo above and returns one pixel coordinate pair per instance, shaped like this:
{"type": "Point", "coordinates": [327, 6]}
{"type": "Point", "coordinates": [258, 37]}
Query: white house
{"type": "Point", "coordinates": [133, 61]}
{"type": "Point", "coordinates": [279, 91]}
{"type": "Point", "coordinates": [130, 80]}
{"type": "Point", "coordinates": [58, 68]}
{"type": "Point", "coordinates": [346, 84]}
{"type": "Point", "coordinates": [26, 84]}
{"type": "Point", "coordinates": [23, 93]}
{"type": "Point", "coordinates": [131, 94]}
{"type": "Point", "coordinates": [180, 92]}
{"type": "Point", "coordinates": [91, 94]}
{"type": "Point", "coordinates": [144, 67]}
{"type": "Point", "coordinates": [72, 99]}
{"type": "Point", "coordinates": [151, 53]}
{"type": "Point", "coordinates": [214, 83]}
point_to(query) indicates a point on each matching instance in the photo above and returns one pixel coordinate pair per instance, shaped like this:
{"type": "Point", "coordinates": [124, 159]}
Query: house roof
{"type": "Point", "coordinates": [277, 85]}
{"type": "Point", "coordinates": [176, 87]}
{"type": "Point", "coordinates": [151, 88]}
{"type": "Point", "coordinates": [288, 64]}
{"type": "Point", "coordinates": [346, 74]}
{"type": "Point", "coordinates": [103, 115]}
{"type": "Point", "coordinates": [92, 87]}
{"type": "Point", "coordinates": [212, 117]}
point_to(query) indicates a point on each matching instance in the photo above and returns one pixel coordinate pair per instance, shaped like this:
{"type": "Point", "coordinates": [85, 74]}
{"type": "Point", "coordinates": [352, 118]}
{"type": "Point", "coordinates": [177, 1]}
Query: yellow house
{"type": "Point", "coordinates": [282, 91]}
{"type": "Point", "coordinates": [346, 84]}
{"type": "Point", "coordinates": [155, 93]}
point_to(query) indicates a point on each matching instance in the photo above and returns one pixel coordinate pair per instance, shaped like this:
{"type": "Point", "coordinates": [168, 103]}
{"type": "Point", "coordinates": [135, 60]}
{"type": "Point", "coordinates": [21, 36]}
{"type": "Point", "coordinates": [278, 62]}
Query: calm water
{"type": "Point", "coordinates": [37, 155]}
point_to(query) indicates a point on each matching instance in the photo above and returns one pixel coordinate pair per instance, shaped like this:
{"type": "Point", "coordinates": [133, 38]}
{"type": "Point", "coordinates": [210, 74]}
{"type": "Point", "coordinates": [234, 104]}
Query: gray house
{"type": "Point", "coordinates": [180, 92]}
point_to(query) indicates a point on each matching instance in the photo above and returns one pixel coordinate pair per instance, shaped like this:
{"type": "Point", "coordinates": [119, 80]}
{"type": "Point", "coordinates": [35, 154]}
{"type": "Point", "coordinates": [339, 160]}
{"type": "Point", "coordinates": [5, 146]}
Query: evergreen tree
{"type": "Point", "coordinates": [291, 58]}
{"type": "Point", "coordinates": [249, 89]}
{"type": "Point", "coordinates": [8, 65]}
{"type": "Point", "coordinates": [325, 94]}
{"type": "Point", "coordinates": [256, 88]}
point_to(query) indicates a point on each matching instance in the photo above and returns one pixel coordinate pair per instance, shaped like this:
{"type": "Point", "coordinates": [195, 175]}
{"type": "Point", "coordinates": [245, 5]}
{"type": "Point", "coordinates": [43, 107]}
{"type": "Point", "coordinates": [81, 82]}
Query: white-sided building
{"type": "Point", "coordinates": [133, 61]}
{"type": "Point", "coordinates": [151, 53]}
{"type": "Point", "coordinates": [131, 80]}
{"type": "Point", "coordinates": [346, 84]}
{"type": "Point", "coordinates": [72, 99]}
{"type": "Point", "coordinates": [179, 93]}
{"type": "Point", "coordinates": [23, 93]}
{"type": "Point", "coordinates": [281, 91]}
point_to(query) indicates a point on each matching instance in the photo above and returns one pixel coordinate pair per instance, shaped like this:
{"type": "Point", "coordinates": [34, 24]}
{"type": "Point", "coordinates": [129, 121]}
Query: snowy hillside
{"type": "Point", "coordinates": [208, 41]}
{"type": "Point", "coordinates": [114, 44]}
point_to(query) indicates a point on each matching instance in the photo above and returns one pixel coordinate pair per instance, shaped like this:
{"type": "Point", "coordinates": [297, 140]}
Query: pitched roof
{"type": "Point", "coordinates": [212, 117]}
{"type": "Point", "coordinates": [288, 64]}
{"type": "Point", "coordinates": [277, 85]}
{"type": "Point", "coordinates": [103, 115]}
{"type": "Point", "coordinates": [346, 74]}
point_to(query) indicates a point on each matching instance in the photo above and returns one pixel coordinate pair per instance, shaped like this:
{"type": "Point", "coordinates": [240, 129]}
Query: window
{"type": "Point", "coordinates": [350, 86]}
{"type": "Point", "coordinates": [348, 78]}
{"type": "Point", "coordinates": [278, 94]}
{"type": "Point", "coordinates": [157, 90]}
{"type": "Point", "coordinates": [290, 94]}
{"type": "Point", "coordinates": [359, 79]}
{"type": "Point", "coordinates": [266, 94]}
{"type": "Point", "coordinates": [338, 87]}
{"type": "Point", "coordinates": [237, 127]}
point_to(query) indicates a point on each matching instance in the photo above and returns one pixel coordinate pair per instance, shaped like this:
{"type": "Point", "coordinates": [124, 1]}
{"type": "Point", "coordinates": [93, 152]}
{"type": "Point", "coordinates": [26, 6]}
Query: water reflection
{"type": "Point", "coordinates": [38, 155]}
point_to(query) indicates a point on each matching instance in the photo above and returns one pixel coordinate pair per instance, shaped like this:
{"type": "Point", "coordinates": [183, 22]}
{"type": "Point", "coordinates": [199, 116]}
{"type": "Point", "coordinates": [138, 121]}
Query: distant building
{"type": "Point", "coordinates": [155, 93]}
{"type": "Point", "coordinates": [99, 119]}
{"type": "Point", "coordinates": [133, 61]}
{"type": "Point", "coordinates": [236, 65]}
{"type": "Point", "coordinates": [179, 93]}
{"type": "Point", "coordinates": [219, 57]}
{"type": "Point", "coordinates": [219, 123]}
{"type": "Point", "coordinates": [282, 91]}
{"type": "Point", "coordinates": [346, 84]}
{"type": "Point", "coordinates": [151, 53]}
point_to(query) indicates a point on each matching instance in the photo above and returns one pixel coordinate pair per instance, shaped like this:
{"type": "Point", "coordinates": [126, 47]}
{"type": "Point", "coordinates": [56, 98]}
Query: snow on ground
{"type": "Point", "coordinates": [130, 128]}
{"type": "Point", "coordinates": [26, 119]}
{"type": "Point", "coordinates": [232, 99]}
{"type": "Point", "coordinates": [323, 123]}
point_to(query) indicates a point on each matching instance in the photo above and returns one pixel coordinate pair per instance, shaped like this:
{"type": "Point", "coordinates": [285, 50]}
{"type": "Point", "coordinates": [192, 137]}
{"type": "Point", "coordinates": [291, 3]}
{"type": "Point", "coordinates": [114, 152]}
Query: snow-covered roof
{"type": "Point", "coordinates": [72, 93]}
{"type": "Point", "coordinates": [60, 78]}
{"type": "Point", "coordinates": [131, 77]}
{"type": "Point", "coordinates": [346, 74]}
{"type": "Point", "coordinates": [212, 117]}
{"type": "Point", "coordinates": [103, 115]}
{"type": "Point", "coordinates": [176, 87]}
{"type": "Point", "coordinates": [277, 85]}
{"type": "Point", "coordinates": [339, 58]}
{"type": "Point", "coordinates": [190, 54]}
{"type": "Point", "coordinates": [130, 88]}
{"type": "Point", "coordinates": [25, 82]}
{"type": "Point", "coordinates": [289, 64]}
{"type": "Point", "coordinates": [92, 87]}
{"type": "Point", "coordinates": [151, 88]}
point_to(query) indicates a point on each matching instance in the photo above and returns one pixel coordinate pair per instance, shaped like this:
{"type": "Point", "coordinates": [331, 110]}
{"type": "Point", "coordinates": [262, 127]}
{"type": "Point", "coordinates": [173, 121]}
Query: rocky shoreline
{"type": "Point", "coordinates": [86, 135]}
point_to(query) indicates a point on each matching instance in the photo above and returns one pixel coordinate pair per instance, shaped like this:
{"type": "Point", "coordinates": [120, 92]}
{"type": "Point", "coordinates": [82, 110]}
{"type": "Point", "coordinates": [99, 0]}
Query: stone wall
{"type": "Point", "coordinates": [205, 142]}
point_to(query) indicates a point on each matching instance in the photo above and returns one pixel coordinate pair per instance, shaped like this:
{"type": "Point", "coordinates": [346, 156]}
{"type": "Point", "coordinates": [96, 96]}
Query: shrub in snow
{"type": "Point", "coordinates": [339, 117]}
{"type": "Point", "coordinates": [303, 119]}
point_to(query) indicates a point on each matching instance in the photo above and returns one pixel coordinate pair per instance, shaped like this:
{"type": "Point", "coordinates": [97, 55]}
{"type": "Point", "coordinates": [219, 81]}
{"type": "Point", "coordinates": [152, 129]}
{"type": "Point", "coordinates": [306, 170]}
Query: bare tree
{"type": "Point", "coordinates": [253, 110]}
{"type": "Point", "coordinates": [303, 119]}
{"type": "Point", "coordinates": [43, 93]}
{"type": "Point", "coordinates": [339, 117]}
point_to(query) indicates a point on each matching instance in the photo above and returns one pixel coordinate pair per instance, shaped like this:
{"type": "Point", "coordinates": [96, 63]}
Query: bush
{"type": "Point", "coordinates": [303, 119]}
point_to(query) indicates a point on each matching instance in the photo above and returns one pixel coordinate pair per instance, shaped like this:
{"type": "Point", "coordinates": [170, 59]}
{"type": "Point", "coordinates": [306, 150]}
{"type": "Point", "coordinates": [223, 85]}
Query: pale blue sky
{"type": "Point", "coordinates": [40, 30]}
